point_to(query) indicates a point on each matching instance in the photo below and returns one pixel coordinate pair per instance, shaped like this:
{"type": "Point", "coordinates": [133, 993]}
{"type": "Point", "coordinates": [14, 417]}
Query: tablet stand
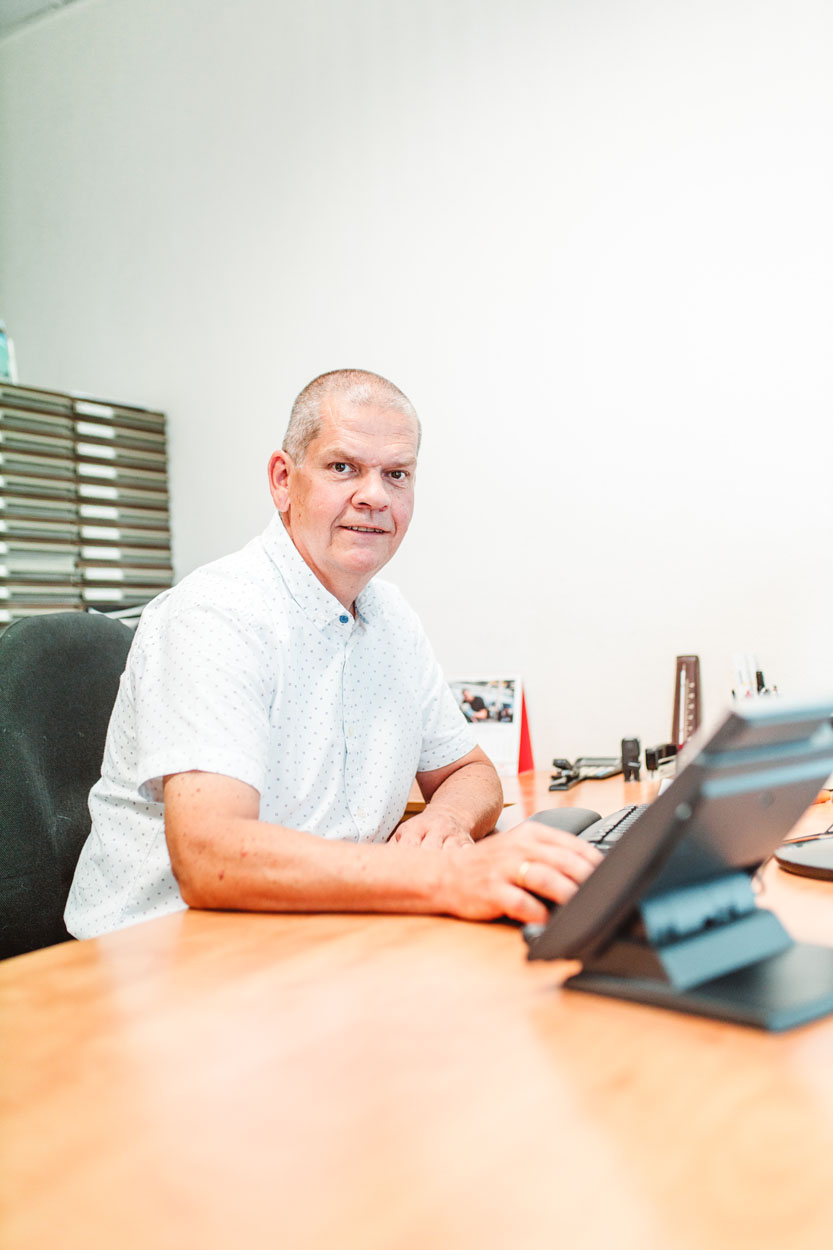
{"type": "Point", "coordinates": [707, 949]}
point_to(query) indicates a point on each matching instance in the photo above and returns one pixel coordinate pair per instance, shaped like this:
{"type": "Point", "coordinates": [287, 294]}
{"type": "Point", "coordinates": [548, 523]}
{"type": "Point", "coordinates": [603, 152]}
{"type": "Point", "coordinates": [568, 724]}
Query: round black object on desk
{"type": "Point", "coordinates": [809, 857]}
{"type": "Point", "coordinates": [570, 819]}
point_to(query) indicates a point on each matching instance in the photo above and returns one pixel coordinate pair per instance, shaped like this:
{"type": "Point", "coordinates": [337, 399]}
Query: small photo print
{"type": "Point", "coordinates": [492, 706]}
{"type": "Point", "coordinates": [486, 700]}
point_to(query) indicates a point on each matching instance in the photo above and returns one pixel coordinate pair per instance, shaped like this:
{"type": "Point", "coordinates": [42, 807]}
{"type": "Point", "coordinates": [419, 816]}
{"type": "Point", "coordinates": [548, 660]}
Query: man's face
{"type": "Point", "coordinates": [349, 502]}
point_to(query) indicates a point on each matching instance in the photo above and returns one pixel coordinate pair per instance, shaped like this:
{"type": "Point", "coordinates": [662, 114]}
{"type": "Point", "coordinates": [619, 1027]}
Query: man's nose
{"type": "Point", "coordinates": [372, 491]}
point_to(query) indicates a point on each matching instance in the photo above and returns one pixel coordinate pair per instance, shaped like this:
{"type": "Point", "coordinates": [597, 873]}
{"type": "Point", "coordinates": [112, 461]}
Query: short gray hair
{"type": "Point", "coordinates": [357, 386]}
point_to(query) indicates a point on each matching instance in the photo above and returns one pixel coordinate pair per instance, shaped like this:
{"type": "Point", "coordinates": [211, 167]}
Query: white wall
{"type": "Point", "coordinates": [590, 239]}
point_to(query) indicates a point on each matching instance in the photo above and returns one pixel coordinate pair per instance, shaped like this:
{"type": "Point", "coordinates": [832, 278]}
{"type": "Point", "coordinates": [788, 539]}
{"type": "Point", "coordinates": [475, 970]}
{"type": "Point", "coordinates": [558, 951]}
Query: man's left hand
{"type": "Point", "coordinates": [432, 829]}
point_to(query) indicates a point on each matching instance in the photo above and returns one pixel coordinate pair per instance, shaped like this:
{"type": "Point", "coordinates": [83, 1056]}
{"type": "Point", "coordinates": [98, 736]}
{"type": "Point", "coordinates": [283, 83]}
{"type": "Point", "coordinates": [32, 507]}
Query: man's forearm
{"type": "Point", "coordinates": [224, 856]}
{"type": "Point", "coordinates": [472, 796]}
{"type": "Point", "coordinates": [251, 865]}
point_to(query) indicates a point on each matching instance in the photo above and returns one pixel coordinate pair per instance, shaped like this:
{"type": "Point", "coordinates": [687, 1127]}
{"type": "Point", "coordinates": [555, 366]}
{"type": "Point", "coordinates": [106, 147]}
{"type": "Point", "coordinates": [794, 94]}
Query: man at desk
{"type": "Point", "coordinates": [278, 704]}
{"type": "Point", "coordinates": [474, 707]}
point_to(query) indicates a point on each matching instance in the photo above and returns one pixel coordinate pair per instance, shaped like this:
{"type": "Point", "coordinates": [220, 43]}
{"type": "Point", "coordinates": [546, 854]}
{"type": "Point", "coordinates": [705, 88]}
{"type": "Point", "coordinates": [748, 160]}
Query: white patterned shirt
{"type": "Point", "coordinates": [252, 669]}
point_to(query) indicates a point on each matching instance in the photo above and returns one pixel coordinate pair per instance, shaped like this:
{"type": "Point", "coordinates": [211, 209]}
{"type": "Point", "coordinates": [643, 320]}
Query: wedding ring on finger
{"type": "Point", "coordinates": [522, 871]}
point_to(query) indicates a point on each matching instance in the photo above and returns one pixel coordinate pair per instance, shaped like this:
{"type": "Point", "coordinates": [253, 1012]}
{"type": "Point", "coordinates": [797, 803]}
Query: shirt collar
{"type": "Point", "coordinates": [312, 597]}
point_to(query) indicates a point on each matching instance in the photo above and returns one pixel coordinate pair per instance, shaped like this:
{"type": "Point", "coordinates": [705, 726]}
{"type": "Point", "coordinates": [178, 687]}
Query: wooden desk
{"type": "Point", "coordinates": [397, 1083]}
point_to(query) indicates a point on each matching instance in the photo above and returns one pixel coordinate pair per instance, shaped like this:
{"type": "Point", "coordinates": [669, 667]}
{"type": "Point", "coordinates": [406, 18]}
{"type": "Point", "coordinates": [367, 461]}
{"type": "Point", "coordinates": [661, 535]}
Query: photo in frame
{"type": "Point", "coordinates": [495, 708]}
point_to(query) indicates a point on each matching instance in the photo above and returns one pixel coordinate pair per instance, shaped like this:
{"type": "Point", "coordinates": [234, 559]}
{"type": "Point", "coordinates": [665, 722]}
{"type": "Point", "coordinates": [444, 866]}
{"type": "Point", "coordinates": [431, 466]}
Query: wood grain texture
{"type": "Point", "coordinates": [397, 1083]}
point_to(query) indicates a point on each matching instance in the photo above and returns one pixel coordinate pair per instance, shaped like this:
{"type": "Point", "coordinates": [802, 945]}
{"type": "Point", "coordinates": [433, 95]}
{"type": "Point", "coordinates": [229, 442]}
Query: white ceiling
{"type": "Point", "coordinates": [14, 13]}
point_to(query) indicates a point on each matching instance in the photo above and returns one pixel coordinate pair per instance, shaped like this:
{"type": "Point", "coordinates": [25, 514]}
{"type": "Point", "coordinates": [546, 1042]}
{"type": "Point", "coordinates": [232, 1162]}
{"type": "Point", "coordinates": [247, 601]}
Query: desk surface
{"type": "Point", "coordinates": [388, 1083]}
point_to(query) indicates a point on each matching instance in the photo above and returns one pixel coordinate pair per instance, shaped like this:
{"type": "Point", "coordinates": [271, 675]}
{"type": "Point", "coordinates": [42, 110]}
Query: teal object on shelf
{"type": "Point", "coordinates": [8, 371]}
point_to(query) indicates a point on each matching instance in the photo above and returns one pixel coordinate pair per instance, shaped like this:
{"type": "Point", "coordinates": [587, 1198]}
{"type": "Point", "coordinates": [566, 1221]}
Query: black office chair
{"type": "Point", "coordinates": [59, 675]}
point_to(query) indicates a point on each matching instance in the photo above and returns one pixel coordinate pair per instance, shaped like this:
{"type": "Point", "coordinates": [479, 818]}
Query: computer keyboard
{"type": "Point", "coordinates": [603, 833]}
{"type": "Point", "coordinates": [606, 832]}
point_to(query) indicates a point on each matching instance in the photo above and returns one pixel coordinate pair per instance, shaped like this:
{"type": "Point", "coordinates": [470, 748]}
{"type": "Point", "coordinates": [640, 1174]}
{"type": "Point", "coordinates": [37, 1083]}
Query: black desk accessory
{"type": "Point", "coordinates": [585, 768]}
{"type": "Point", "coordinates": [808, 857]}
{"type": "Point", "coordinates": [630, 758]}
{"type": "Point", "coordinates": [570, 819]}
{"type": "Point", "coordinates": [655, 757]}
{"type": "Point", "coordinates": [598, 767]}
{"type": "Point", "coordinates": [669, 917]}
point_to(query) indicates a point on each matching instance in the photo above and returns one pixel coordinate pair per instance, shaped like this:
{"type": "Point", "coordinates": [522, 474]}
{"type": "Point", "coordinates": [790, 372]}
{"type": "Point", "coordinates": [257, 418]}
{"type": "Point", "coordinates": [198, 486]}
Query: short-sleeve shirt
{"type": "Point", "coordinates": [252, 669]}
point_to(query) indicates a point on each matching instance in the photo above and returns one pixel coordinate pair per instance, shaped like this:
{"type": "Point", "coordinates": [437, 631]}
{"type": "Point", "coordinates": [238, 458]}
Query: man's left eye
{"type": "Point", "coordinates": [398, 475]}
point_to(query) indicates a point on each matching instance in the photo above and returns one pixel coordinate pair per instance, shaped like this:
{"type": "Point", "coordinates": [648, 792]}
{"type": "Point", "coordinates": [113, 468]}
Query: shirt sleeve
{"type": "Point", "coordinates": [446, 736]}
{"type": "Point", "coordinates": [203, 684]}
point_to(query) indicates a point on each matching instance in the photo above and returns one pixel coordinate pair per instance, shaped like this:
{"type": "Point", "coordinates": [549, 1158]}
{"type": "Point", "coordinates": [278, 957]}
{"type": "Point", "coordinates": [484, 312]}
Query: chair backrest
{"type": "Point", "coordinates": [59, 676]}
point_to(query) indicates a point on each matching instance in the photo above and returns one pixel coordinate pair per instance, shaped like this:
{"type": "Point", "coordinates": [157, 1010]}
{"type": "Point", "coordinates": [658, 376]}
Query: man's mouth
{"type": "Point", "coordinates": [364, 529]}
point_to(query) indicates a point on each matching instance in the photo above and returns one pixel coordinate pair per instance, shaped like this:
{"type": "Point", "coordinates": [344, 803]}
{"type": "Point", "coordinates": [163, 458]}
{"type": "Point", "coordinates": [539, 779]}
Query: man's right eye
{"type": "Point", "coordinates": [340, 466]}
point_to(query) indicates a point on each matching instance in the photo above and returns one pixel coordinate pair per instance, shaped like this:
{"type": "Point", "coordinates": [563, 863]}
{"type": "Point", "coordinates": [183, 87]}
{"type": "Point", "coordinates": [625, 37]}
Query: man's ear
{"type": "Point", "coordinates": [281, 467]}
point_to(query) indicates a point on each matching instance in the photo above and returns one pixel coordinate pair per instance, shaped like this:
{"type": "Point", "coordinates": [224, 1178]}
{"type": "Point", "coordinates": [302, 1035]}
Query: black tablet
{"type": "Point", "coordinates": [739, 791]}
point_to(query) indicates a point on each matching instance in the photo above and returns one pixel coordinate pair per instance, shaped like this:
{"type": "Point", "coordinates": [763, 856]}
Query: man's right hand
{"type": "Point", "coordinates": [502, 875]}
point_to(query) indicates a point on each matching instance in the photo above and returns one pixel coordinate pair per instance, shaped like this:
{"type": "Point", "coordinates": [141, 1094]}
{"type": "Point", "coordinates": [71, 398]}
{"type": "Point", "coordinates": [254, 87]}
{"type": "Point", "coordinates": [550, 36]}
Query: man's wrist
{"type": "Point", "coordinates": [446, 827]}
{"type": "Point", "coordinates": [434, 827]}
{"type": "Point", "coordinates": [442, 817]}
{"type": "Point", "coordinates": [447, 886]}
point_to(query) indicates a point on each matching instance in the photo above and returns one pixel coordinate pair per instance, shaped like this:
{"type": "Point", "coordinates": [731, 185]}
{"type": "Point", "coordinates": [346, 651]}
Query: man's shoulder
{"type": "Point", "coordinates": [390, 607]}
{"type": "Point", "coordinates": [247, 569]}
{"type": "Point", "coordinates": [243, 585]}
{"type": "Point", "coordinates": [386, 597]}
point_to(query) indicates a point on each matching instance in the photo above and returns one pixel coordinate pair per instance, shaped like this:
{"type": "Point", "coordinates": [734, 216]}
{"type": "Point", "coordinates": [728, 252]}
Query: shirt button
{"type": "Point", "coordinates": [344, 619]}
